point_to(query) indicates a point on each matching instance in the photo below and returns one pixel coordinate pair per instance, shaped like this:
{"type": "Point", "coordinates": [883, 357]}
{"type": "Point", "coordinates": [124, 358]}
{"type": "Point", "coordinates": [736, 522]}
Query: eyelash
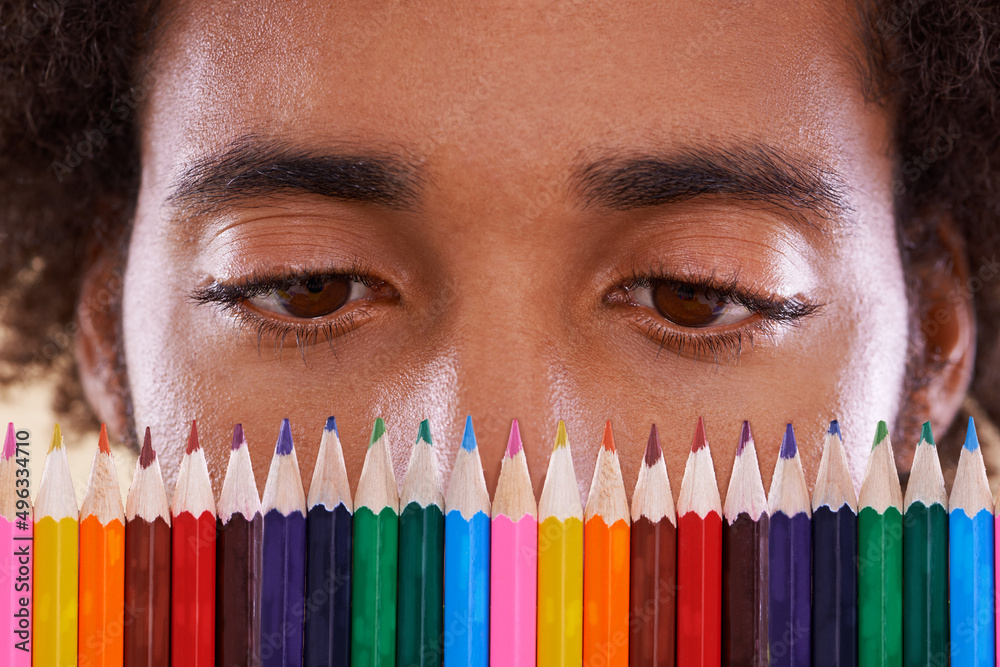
{"type": "Point", "coordinates": [720, 346]}
{"type": "Point", "coordinates": [231, 297]}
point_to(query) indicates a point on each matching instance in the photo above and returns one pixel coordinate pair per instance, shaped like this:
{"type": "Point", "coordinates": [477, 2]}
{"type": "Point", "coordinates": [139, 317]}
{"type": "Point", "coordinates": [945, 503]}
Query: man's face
{"type": "Point", "coordinates": [643, 212]}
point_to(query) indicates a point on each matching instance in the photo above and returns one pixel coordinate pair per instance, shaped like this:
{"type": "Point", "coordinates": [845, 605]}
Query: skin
{"type": "Point", "coordinates": [505, 298]}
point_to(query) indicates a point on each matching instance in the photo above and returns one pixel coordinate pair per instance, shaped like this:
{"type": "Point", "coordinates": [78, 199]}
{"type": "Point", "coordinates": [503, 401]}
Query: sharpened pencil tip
{"type": "Point", "coordinates": [284, 445]}
{"type": "Point", "coordinates": [424, 432]}
{"type": "Point", "coordinates": [9, 443]}
{"type": "Point", "coordinates": [881, 433]}
{"type": "Point", "coordinates": [562, 439]}
{"type": "Point", "coordinates": [469, 437]}
{"type": "Point", "coordinates": [147, 455]}
{"type": "Point", "coordinates": [57, 439]}
{"type": "Point", "coordinates": [926, 434]}
{"type": "Point", "coordinates": [238, 438]}
{"type": "Point", "coordinates": [700, 441]}
{"type": "Point", "coordinates": [331, 425]}
{"type": "Point", "coordinates": [835, 429]}
{"type": "Point", "coordinates": [102, 441]}
{"type": "Point", "coordinates": [193, 445]}
{"type": "Point", "coordinates": [746, 437]}
{"type": "Point", "coordinates": [653, 450]}
{"type": "Point", "coordinates": [608, 441]}
{"type": "Point", "coordinates": [788, 446]}
{"type": "Point", "coordinates": [514, 441]}
{"type": "Point", "coordinates": [971, 439]}
{"type": "Point", "coordinates": [378, 430]}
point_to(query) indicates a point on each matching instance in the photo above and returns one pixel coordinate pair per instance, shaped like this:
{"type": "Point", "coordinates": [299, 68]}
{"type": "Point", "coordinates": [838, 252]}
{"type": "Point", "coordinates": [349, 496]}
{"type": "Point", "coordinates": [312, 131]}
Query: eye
{"type": "Point", "coordinates": [689, 306]}
{"type": "Point", "coordinates": [312, 297]}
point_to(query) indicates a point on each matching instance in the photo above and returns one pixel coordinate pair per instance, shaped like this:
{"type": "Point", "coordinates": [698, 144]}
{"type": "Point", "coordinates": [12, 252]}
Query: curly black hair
{"type": "Point", "coordinates": [73, 76]}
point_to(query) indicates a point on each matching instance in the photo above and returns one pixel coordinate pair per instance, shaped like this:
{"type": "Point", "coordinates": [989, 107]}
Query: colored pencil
{"type": "Point", "coordinates": [699, 559]}
{"type": "Point", "coordinates": [237, 562]}
{"type": "Point", "coordinates": [467, 559]}
{"type": "Point", "coordinates": [147, 564]}
{"type": "Point", "coordinates": [653, 571]}
{"type": "Point", "coordinates": [329, 541]}
{"type": "Point", "coordinates": [790, 559]}
{"type": "Point", "coordinates": [880, 558]}
{"type": "Point", "coordinates": [376, 540]}
{"type": "Point", "coordinates": [744, 561]}
{"type": "Point", "coordinates": [16, 531]}
{"type": "Point", "coordinates": [835, 575]}
{"type": "Point", "coordinates": [283, 547]}
{"type": "Point", "coordinates": [606, 561]}
{"type": "Point", "coordinates": [57, 553]}
{"type": "Point", "coordinates": [192, 621]}
{"type": "Point", "coordinates": [514, 561]}
{"type": "Point", "coordinates": [421, 558]}
{"type": "Point", "coordinates": [925, 559]}
{"type": "Point", "coordinates": [560, 560]}
{"type": "Point", "coordinates": [970, 525]}
{"type": "Point", "coordinates": [102, 563]}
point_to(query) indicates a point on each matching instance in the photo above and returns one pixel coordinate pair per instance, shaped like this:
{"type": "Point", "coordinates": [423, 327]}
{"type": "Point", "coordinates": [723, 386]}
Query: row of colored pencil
{"type": "Point", "coordinates": [425, 578]}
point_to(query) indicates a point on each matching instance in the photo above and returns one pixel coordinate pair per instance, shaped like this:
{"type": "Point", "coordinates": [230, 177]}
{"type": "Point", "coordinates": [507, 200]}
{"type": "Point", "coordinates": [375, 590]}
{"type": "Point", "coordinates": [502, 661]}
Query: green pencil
{"type": "Point", "coordinates": [880, 559]}
{"type": "Point", "coordinates": [419, 640]}
{"type": "Point", "coordinates": [925, 559]}
{"type": "Point", "coordinates": [376, 539]}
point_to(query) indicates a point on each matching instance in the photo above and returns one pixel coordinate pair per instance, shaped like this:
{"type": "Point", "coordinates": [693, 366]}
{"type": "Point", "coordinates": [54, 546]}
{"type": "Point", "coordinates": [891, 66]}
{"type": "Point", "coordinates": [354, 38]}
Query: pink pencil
{"type": "Point", "coordinates": [15, 558]}
{"type": "Point", "coordinates": [513, 561]}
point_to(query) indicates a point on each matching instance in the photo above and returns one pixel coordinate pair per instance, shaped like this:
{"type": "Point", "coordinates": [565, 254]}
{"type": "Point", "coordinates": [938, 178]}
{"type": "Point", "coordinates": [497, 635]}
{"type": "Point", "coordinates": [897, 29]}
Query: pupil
{"type": "Point", "coordinates": [314, 285]}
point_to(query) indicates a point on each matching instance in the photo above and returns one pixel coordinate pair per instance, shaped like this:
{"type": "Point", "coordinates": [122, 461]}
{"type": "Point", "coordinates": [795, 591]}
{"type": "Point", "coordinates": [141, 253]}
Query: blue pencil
{"type": "Point", "coordinates": [329, 537]}
{"type": "Point", "coordinates": [790, 559]}
{"type": "Point", "coordinates": [283, 566]}
{"type": "Point", "coordinates": [970, 528]}
{"type": "Point", "coordinates": [467, 560]}
{"type": "Point", "coordinates": [835, 546]}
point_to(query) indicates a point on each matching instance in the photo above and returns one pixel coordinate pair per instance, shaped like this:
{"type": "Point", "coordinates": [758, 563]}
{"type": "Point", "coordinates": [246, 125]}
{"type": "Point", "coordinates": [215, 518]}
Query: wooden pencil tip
{"type": "Point", "coordinates": [562, 439]}
{"type": "Point", "coordinates": [514, 441]}
{"type": "Point", "coordinates": [331, 425]}
{"type": "Point", "coordinates": [926, 434]}
{"type": "Point", "coordinates": [238, 438]}
{"type": "Point", "coordinates": [745, 438]}
{"type": "Point", "coordinates": [469, 437]}
{"type": "Point", "coordinates": [284, 445]}
{"type": "Point", "coordinates": [653, 450]}
{"type": "Point", "coordinates": [193, 445]}
{"type": "Point", "coordinates": [835, 429]}
{"type": "Point", "coordinates": [102, 441]}
{"type": "Point", "coordinates": [9, 443]}
{"type": "Point", "coordinates": [971, 439]}
{"type": "Point", "coordinates": [788, 447]}
{"type": "Point", "coordinates": [57, 439]}
{"type": "Point", "coordinates": [700, 441]}
{"type": "Point", "coordinates": [424, 432]}
{"type": "Point", "coordinates": [881, 433]}
{"type": "Point", "coordinates": [147, 455]}
{"type": "Point", "coordinates": [608, 441]}
{"type": "Point", "coordinates": [378, 430]}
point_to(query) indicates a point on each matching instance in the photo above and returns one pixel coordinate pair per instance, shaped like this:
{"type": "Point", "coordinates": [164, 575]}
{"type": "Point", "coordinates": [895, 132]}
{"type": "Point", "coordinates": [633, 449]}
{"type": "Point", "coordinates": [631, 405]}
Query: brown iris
{"type": "Point", "coordinates": [687, 306]}
{"type": "Point", "coordinates": [315, 297]}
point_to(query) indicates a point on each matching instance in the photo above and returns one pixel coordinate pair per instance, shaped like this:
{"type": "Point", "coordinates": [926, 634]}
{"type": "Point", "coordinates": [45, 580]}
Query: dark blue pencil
{"type": "Point", "coordinates": [329, 533]}
{"type": "Point", "coordinates": [835, 545]}
{"type": "Point", "coordinates": [790, 560]}
{"type": "Point", "coordinates": [283, 567]}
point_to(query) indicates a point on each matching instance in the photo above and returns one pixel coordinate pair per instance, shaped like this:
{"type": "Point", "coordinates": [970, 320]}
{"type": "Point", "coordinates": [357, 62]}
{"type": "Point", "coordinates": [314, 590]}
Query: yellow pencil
{"type": "Point", "coordinates": [56, 555]}
{"type": "Point", "coordinates": [560, 561]}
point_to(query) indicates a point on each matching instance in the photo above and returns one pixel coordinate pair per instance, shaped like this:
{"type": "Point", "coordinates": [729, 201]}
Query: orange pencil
{"type": "Point", "coordinates": [102, 563]}
{"type": "Point", "coordinates": [606, 562]}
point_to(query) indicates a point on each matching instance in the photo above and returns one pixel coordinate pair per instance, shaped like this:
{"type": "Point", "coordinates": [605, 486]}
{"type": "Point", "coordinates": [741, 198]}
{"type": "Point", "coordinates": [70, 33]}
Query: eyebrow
{"type": "Point", "coordinates": [250, 168]}
{"type": "Point", "coordinates": [752, 173]}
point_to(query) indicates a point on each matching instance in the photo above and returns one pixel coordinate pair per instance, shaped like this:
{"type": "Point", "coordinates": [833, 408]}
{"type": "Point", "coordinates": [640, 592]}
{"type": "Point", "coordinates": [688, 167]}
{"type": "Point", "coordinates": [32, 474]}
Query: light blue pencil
{"type": "Point", "coordinates": [467, 560]}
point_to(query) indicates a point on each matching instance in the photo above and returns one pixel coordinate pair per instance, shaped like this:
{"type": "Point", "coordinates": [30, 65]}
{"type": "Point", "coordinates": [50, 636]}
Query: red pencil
{"type": "Point", "coordinates": [699, 560]}
{"type": "Point", "coordinates": [192, 628]}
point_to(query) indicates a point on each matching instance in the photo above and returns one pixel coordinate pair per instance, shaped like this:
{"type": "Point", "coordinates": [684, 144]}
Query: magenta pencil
{"type": "Point", "coordinates": [513, 561]}
{"type": "Point", "coordinates": [15, 558]}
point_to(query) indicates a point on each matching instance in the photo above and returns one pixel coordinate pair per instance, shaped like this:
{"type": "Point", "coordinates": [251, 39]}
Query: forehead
{"type": "Point", "coordinates": [531, 81]}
